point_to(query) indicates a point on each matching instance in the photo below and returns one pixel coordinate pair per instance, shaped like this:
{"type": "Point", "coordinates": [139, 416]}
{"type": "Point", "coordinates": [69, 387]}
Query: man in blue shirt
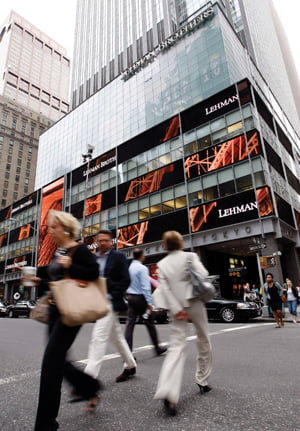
{"type": "Point", "coordinates": [140, 300]}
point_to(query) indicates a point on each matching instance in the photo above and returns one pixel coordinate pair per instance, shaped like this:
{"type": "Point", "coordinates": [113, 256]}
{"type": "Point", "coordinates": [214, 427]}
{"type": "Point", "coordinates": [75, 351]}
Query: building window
{"type": "Point", "coordinates": [26, 181]}
{"type": "Point", "coordinates": [6, 175]}
{"type": "Point", "coordinates": [4, 193]}
{"type": "Point", "coordinates": [19, 162]}
{"type": "Point", "coordinates": [3, 202]}
{"type": "Point", "coordinates": [20, 153]}
{"type": "Point", "coordinates": [35, 91]}
{"type": "Point", "coordinates": [57, 55]}
{"type": "Point", "coordinates": [30, 150]}
{"type": "Point", "coordinates": [17, 178]}
{"type": "Point", "coordinates": [25, 189]}
{"type": "Point", "coordinates": [10, 150]}
{"type": "Point", "coordinates": [5, 184]}
{"type": "Point", "coordinates": [28, 165]}
{"type": "Point", "coordinates": [7, 166]}
{"type": "Point", "coordinates": [16, 187]}
{"type": "Point", "coordinates": [18, 170]}
{"type": "Point", "coordinates": [27, 174]}
{"type": "Point", "coordinates": [55, 102]}
{"type": "Point", "coordinates": [12, 79]}
{"type": "Point", "coordinates": [9, 159]}
{"type": "Point", "coordinates": [29, 157]}
{"type": "Point", "coordinates": [15, 196]}
{"type": "Point", "coordinates": [45, 97]}
{"type": "Point", "coordinates": [28, 36]}
{"type": "Point", "coordinates": [24, 85]}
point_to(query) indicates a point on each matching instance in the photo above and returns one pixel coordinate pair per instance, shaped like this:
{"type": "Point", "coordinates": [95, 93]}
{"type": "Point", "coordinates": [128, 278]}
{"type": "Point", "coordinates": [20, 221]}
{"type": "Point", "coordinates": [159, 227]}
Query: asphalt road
{"type": "Point", "coordinates": [255, 382]}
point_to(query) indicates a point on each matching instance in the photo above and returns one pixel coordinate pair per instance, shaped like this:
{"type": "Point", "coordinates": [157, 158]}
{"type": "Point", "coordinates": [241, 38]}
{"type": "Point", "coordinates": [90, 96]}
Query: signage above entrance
{"type": "Point", "coordinates": [257, 247]}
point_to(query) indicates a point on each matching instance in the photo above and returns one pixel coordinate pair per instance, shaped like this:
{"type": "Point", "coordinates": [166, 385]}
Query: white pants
{"type": "Point", "coordinates": [170, 378]}
{"type": "Point", "coordinates": [107, 329]}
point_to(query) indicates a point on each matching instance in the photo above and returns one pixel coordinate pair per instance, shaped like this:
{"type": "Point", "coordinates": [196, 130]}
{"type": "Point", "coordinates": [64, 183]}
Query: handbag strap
{"type": "Point", "coordinates": [71, 251]}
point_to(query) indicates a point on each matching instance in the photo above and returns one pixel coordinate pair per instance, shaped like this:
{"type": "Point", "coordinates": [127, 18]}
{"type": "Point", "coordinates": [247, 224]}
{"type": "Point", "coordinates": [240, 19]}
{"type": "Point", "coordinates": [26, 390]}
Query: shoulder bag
{"type": "Point", "coordinates": [40, 312]}
{"type": "Point", "coordinates": [202, 287]}
{"type": "Point", "coordinates": [80, 301]}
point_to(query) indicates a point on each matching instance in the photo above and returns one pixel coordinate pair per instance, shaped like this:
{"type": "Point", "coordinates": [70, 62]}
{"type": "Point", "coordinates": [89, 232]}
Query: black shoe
{"type": "Point", "coordinates": [77, 397]}
{"type": "Point", "coordinates": [170, 408]}
{"type": "Point", "coordinates": [127, 373]}
{"type": "Point", "coordinates": [161, 350]}
{"type": "Point", "coordinates": [204, 389]}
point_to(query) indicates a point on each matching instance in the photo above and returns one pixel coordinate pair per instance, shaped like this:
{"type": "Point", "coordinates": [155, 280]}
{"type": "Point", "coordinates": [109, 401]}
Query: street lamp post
{"type": "Point", "coordinates": [86, 158]}
{"type": "Point", "coordinates": [6, 256]}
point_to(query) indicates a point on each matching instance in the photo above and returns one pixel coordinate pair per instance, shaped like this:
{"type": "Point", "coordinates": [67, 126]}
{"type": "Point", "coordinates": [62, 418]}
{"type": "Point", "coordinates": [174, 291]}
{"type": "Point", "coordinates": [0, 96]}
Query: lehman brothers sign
{"type": "Point", "coordinates": [166, 44]}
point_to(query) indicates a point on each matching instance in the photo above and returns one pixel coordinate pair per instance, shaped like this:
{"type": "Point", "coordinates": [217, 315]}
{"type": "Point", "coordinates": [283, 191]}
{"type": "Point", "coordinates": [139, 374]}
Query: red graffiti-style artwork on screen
{"type": "Point", "coordinates": [93, 204]}
{"type": "Point", "coordinates": [199, 215]}
{"type": "Point", "coordinates": [173, 129]}
{"type": "Point", "coordinates": [24, 232]}
{"type": "Point", "coordinates": [264, 202]}
{"type": "Point", "coordinates": [222, 155]}
{"type": "Point", "coordinates": [52, 196]}
{"type": "Point", "coordinates": [147, 183]}
{"type": "Point", "coordinates": [132, 235]}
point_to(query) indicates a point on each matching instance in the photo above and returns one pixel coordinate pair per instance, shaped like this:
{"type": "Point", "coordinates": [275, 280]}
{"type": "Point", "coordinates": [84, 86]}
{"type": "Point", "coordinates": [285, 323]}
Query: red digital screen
{"type": "Point", "coordinates": [52, 197]}
{"type": "Point", "coordinates": [218, 156]}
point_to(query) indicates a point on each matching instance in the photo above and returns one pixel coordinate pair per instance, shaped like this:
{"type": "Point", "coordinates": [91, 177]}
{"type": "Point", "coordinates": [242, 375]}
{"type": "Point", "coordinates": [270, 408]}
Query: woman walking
{"type": "Point", "coordinates": [175, 292]}
{"type": "Point", "coordinates": [64, 229]}
{"type": "Point", "coordinates": [274, 293]}
{"type": "Point", "coordinates": [291, 293]}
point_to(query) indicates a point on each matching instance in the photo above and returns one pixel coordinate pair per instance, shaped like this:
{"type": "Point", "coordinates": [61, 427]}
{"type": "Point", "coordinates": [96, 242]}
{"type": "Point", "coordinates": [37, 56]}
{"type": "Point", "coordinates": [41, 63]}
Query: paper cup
{"type": "Point", "coordinates": [28, 272]}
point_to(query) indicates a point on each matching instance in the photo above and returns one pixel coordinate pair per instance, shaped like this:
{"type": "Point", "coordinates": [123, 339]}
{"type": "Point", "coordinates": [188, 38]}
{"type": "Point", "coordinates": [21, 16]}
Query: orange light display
{"type": "Point", "coordinates": [52, 196]}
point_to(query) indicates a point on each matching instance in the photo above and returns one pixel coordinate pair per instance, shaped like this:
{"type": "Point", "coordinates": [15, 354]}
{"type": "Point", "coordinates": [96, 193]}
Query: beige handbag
{"type": "Point", "coordinates": [40, 312]}
{"type": "Point", "coordinates": [80, 301]}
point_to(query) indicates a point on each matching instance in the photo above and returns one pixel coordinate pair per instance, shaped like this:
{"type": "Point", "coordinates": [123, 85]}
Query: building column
{"type": "Point", "coordinates": [292, 263]}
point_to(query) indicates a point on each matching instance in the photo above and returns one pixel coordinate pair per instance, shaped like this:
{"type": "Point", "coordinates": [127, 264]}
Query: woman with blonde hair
{"type": "Point", "coordinates": [175, 292]}
{"type": "Point", "coordinates": [79, 263]}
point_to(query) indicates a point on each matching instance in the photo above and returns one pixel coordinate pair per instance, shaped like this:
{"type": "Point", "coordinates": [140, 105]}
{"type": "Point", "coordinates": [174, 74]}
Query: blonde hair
{"type": "Point", "coordinates": [172, 240]}
{"type": "Point", "coordinates": [67, 221]}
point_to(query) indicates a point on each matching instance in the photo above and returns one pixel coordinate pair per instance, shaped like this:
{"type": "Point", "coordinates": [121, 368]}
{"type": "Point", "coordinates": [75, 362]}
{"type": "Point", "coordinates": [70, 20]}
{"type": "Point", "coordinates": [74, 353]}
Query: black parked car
{"type": "Point", "coordinates": [3, 309]}
{"type": "Point", "coordinates": [229, 310]}
{"type": "Point", "coordinates": [20, 308]}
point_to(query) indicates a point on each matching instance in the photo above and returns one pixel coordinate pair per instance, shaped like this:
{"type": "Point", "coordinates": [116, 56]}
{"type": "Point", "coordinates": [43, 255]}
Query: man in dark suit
{"type": "Point", "coordinates": [112, 265]}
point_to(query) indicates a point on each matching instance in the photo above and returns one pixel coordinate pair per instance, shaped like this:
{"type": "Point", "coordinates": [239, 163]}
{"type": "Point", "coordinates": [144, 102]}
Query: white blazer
{"type": "Point", "coordinates": [175, 286]}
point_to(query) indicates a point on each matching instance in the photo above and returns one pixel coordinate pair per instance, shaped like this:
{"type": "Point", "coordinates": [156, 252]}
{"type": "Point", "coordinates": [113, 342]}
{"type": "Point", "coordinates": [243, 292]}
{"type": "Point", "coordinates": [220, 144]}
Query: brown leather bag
{"type": "Point", "coordinates": [80, 301]}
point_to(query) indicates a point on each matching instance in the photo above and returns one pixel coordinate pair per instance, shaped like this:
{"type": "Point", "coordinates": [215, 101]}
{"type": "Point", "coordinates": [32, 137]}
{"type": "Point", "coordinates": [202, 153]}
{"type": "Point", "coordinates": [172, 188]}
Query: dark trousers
{"type": "Point", "coordinates": [137, 306]}
{"type": "Point", "coordinates": [54, 368]}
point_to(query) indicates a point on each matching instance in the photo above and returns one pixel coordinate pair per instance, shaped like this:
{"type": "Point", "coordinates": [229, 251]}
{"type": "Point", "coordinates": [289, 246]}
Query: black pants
{"type": "Point", "coordinates": [54, 368]}
{"type": "Point", "coordinates": [137, 306]}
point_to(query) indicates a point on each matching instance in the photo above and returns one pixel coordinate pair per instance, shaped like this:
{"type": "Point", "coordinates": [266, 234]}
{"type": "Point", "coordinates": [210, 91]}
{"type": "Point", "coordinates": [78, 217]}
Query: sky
{"type": "Point", "coordinates": [56, 18]}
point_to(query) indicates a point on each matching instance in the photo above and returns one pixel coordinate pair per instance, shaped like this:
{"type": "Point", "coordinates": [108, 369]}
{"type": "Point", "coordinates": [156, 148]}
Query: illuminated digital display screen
{"type": "Point", "coordinates": [232, 209]}
{"type": "Point", "coordinates": [218, 156]}
{"type": "Point", "coordinates": [52, 198]}
{"type": "Point", "coordinates": [153, 229]}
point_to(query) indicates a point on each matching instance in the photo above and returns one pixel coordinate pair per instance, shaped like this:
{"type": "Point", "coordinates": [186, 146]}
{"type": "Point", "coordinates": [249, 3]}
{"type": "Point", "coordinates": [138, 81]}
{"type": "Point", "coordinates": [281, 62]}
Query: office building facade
{"type": "Point", "coordinates": [223, 172]}
{"type": "Point", "coordinates": [190, 138]}
{"type": "Point", "coordinates": [34, 89]}
{"type": "Point", "coordinates": [34, 69]}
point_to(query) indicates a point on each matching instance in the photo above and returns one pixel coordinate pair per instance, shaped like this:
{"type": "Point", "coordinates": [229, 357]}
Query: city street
{"type": "Point", "coordinates": [255, 381]}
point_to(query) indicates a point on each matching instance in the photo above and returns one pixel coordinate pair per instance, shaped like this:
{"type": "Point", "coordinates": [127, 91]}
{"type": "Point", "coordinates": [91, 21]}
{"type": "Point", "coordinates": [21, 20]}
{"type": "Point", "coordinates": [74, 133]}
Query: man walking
{"type": "Point", "coordinates": [112, 265]}
{"type": "Point", "coordinates": [140, 300]}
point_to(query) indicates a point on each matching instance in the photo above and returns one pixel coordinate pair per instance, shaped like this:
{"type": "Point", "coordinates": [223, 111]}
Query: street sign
{"type": "Point", "coordinates": [257, 247]}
